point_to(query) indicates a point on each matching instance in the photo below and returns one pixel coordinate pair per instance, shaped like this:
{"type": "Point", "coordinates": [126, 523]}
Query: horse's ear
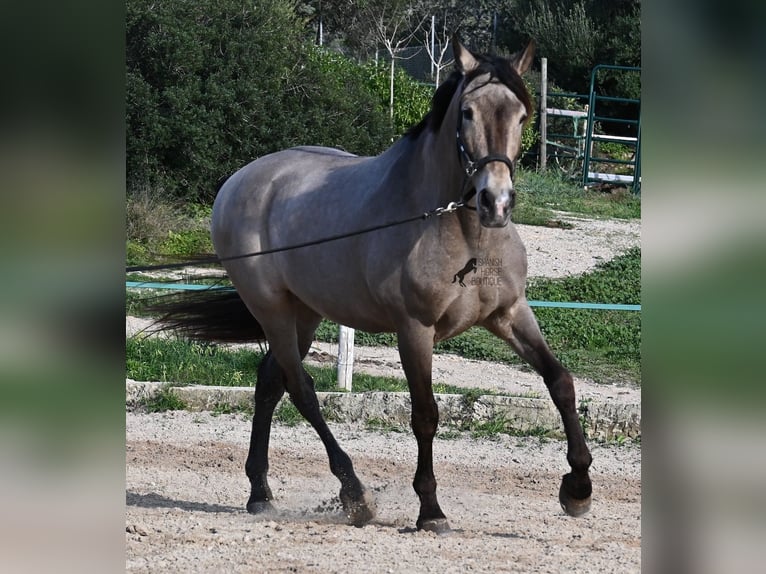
{"type": "Point", "coordinates": [521, 61]}
{"type": "Point", "coordinates": [464, 60]}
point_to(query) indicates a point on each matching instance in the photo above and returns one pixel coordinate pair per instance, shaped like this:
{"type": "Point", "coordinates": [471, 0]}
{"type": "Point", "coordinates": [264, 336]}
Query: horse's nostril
{"type": "Point", "coordinates": [484, 201]}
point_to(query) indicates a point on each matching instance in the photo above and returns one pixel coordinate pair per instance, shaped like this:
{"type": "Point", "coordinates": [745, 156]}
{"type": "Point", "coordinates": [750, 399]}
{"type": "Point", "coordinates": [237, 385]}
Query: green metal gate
{"type": "Point", "coordinates": [590, 173]}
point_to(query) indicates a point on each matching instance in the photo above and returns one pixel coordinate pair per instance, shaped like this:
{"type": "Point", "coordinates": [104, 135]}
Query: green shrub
{"type": "Point", "coordinates": [186, 243]}
{"type": "Point", "coordinates": [149, 217]}
{"type": "Point", "coordinates": [412, 99]}
{"type": "Point", "coordinates": [136, 253]}
{"type": "Point", "coordinates": [531, 134]}
{"type": "Point", "coordinates": [211, 85]}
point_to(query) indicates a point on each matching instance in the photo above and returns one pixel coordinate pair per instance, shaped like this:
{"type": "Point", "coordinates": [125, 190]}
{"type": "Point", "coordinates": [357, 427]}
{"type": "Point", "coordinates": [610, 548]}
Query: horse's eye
{"type": "Point", "coordinates": [468, 114]}
{"type": "Point", "coordinates": [522, 119]}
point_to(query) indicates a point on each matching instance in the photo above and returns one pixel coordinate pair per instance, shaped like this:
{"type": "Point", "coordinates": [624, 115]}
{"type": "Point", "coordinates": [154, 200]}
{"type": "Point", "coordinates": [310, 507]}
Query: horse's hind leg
{"type": "Point", "coordinates": [357, 501]}
{"type": "Point", "coordinates": [518, 327]}
{"type": "Point", "coordinates": [268, 390]}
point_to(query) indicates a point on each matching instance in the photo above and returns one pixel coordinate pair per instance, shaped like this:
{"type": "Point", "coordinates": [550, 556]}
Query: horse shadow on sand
{"type": "Point", "coordinates": [326, 513]}
{"type": "Point", "coordinates": [154, 500]}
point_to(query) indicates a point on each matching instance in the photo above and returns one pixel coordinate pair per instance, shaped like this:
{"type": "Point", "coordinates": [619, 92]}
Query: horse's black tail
{"type": "Point", "coordinates": [216, 315]}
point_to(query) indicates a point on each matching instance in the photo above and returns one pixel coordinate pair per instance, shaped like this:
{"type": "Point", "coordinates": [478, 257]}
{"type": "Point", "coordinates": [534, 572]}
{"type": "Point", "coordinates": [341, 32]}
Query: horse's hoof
{"type": "Point", "coordinates": [359, 510]}
{"type": "Point", "coordinates": [571, 505]}
{"type": "Point", "coordinates": [260, 507]}
{"type": "Point", "coordinates": [435, 525]}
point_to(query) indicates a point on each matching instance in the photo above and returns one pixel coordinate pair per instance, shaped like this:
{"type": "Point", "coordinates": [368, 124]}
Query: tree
{"type": "Point", "coordinates": [396, 24]}
{"type": "Point", "coordinates": [577, 36]}
{"type": "Point", "coordinates": [437, 51]}
{"type": "Point", "coordinates": [567, 36]}
{"type": "Point", "coordinates": [213, 84]}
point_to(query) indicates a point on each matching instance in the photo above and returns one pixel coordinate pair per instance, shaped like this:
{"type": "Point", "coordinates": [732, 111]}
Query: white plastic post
{"type": "Point", "coordinates": [345, 357]}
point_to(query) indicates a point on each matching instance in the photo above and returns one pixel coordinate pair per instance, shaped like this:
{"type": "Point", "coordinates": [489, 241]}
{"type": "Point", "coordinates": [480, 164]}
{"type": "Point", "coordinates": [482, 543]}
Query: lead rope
{"type": "Point", "coordinates": [438, 212]}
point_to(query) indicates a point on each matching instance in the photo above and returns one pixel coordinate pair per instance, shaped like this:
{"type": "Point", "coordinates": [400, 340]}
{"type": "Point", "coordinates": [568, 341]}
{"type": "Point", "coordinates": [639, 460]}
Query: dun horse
{"type": "Point", "coordinates": [396, 279]}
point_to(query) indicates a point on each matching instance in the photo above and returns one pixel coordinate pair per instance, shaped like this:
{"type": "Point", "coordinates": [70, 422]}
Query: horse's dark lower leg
{"type": "Point", "coordinates": [415, 350]}
{"type": "Point", "coordinates": [519, 327]}
{"type": "Point", "coordinates": [425, 418]}
{"type": "Point", "coordinates": [357, 501]}
{"type": "Point", "coordinates": [268, 390]}
{"type": "Point", "coordinates": [575, 491]}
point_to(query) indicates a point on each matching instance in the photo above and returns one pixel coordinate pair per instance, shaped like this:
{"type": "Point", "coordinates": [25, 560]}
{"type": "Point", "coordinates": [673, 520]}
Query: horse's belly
{"type": "Point", "coordinates": [342, 299]}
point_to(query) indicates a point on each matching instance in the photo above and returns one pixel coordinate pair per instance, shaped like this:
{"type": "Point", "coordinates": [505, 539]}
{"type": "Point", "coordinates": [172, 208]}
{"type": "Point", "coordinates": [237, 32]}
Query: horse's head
{"type": "Point", "coordinates": [494, 106]}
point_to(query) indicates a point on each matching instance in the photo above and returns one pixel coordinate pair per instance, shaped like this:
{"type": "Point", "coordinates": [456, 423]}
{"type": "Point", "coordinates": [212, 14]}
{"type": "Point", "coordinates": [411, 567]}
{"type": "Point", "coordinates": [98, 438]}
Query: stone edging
{"type": "Point", "coordinates": [601, 420]}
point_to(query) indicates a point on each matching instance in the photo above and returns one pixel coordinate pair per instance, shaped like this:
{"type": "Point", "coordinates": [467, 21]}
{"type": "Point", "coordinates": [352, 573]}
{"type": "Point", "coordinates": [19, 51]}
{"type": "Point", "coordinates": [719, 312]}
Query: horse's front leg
{"type": "Point", "coordinates": [415, 350]}
{"type": "Point", "coordinates": [519, 328]}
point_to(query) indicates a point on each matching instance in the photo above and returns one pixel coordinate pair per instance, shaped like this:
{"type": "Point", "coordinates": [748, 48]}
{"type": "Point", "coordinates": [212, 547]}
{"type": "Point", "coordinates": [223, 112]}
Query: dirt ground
{"type": "Point", "coordinates": [186, 491]}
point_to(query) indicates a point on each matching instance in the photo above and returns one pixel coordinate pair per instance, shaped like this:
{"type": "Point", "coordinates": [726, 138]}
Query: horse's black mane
{"type": "Point", "coordinates": [497, 67]}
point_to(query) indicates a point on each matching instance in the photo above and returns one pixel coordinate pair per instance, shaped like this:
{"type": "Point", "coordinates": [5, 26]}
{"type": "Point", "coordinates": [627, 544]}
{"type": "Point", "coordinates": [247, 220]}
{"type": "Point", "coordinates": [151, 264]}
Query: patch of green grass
{"type": "Point", "coordinates": [478, 343]}
{"type": "Point", "coordinates": [328, 332]}
{"type": "Point", "coordinates": [228, 409]}
{"type": "Point", "coordinates": [540, 193]}
{"type": "Point", "coordinates": [179, 361]}
{"type": "Point", "coordinates": [288, 414]}
{"type": "Point", "coordinates": [449, 433]}
{"type": "Point", "coordinates": [165, 400]}
{"type": "Point", "coordinates": [604, 345]}
{"type": "Point", "coordinates": [383, 426]}
{"type": "Point", "coordinates": [492, 429]}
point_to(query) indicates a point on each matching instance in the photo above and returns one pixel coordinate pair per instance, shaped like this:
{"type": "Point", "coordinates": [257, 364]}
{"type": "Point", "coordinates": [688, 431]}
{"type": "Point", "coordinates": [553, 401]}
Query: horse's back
{"type": "Point", "coordinates": [266, 187]}
{"type": "Point", "coordinates": [319, 150]}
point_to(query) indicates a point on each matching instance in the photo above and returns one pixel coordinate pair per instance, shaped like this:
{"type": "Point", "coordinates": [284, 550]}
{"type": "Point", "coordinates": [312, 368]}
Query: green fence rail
{"type": "Point", "coordinates": [554, 304]}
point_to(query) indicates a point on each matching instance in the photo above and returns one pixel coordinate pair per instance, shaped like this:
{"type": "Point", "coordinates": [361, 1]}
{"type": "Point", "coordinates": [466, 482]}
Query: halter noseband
{"type": "Point", "coordinates": [471, 166]}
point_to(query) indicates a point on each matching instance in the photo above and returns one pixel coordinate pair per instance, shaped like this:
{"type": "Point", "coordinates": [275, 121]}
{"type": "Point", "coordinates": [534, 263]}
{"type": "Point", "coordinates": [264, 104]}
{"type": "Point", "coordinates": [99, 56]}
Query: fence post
{"type": "Point", "coordinates": [345, 357]}
{"type": "Point", "coordinates": [543, 112]}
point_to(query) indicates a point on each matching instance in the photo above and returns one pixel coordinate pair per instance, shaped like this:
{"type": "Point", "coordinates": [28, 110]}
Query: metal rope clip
{"type": "Point", "coordinates": [451, 206]}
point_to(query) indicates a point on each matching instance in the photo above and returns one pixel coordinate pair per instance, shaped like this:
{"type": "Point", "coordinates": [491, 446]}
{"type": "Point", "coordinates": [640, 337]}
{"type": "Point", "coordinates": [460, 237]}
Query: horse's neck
{"type": "Point", "coordinates": [426, 170]}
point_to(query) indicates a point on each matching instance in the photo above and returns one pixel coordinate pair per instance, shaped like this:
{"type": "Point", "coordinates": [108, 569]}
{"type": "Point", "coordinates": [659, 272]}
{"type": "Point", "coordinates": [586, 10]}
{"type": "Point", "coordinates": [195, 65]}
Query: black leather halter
{"type": "Point", "coordinates": [471, 166]}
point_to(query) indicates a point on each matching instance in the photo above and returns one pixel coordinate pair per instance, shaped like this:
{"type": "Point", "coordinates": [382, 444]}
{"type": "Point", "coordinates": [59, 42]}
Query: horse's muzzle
{"type": "Point", "coordinates": [495, 209]}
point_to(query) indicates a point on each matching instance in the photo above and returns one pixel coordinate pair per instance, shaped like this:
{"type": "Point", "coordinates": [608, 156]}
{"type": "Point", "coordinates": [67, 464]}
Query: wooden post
{"type": "Point", "coordinates": [543, 113]}
{"type": "Point", "coordinates": [345, 357]}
